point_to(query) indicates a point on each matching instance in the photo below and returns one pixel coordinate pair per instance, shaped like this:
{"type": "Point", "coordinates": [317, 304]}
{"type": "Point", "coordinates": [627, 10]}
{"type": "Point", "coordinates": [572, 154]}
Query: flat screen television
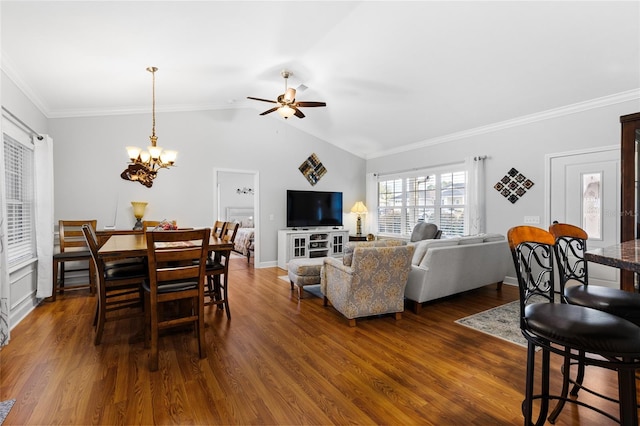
{"type": "Point", "coordinates": [313, 208]}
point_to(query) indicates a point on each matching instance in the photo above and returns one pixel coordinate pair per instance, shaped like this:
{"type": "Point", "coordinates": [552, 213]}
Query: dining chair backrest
{"type": "Point", "coordinates": [71, 236]}
{"type": "Point", "coordinates": [91, 240]}
{"type": "Point", "coordinates": [150, 224]}
{"type": "Point", "coordinates": [230, 231]}
{"type": "Point", "coordinates": [177, 256]}
{"type": "Point", "coordinates": [218, 228]}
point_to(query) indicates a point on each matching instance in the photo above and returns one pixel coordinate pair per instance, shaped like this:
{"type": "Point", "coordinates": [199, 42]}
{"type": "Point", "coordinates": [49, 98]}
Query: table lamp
{"type": "Point", "coordinates": [359, 208]}
{"type": "Point", "coordinates": [138, 212]}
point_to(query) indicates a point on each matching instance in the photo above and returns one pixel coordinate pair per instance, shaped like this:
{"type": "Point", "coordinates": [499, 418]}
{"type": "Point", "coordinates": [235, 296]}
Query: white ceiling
{"type": "Point", "coordinates": [394, 74]}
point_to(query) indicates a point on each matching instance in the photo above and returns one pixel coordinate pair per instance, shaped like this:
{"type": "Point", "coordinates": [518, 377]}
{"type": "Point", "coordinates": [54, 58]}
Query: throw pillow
{"type": "Point", "coordinates": [420, 249]}
{"type": "Point", "coordinates": [471, 239]}
{"type": "Point", "coordinates": [493, 237]}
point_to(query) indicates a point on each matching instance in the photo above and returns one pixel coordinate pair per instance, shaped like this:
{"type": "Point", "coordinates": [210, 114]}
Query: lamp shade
{"type": "Point", "coordinates": [359, 208]}
{"type": "Point", "coordinates": [286, 111]}
{"type": "Point", "coordinates": [138, 208]}
{"type": "Point", "coordinates": [133, 152]}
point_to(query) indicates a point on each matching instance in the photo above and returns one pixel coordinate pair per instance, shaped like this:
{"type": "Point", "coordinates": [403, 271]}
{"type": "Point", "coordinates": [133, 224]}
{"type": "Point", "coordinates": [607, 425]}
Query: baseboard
{"type": "Point", "coordinates": [510, 281]}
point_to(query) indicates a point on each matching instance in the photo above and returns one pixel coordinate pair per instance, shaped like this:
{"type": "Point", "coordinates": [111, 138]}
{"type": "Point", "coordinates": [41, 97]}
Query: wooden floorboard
{"type": "Point", "coordinates": [277, 361]}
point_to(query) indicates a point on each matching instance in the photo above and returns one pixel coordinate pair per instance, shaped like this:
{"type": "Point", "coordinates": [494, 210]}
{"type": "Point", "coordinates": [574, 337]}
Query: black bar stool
{"type": "Point", "coordinates": [577, 333]}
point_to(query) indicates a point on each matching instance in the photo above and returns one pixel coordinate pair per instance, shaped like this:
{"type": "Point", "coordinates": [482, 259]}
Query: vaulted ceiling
{"type": "Point", "coordinates": [394, 74]}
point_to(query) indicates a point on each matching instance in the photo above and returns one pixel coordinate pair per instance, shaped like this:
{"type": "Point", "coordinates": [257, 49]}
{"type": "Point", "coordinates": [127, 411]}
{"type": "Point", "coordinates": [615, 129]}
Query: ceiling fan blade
{"type": "Point", "coordinates": [298, 113]}
{"type": "Point", "coordinates": [311, 104]}
{"type": "Point", "coordinates": [260, 99]}
{"type": "Point", "coordinates": [270, 110]}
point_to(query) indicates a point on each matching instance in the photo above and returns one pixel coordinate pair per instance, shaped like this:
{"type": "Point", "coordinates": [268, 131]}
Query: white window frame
{"type": "Point", "coordinates": [406, 228]}
{"type": "Point", "coordinates": [21, 238]}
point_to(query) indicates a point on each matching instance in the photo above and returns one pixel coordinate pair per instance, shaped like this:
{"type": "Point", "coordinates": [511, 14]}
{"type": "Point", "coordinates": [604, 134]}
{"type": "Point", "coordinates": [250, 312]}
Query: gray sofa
{"type": "Point", "coordinates": [445, 267]}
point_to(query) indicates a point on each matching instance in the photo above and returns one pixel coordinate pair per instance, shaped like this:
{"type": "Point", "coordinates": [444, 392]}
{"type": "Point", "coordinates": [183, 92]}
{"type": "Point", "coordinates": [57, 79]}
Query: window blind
{"type": "Point", "coordinates": [18, 162]}
{"type": "Point", "coordinates": [436, 196]}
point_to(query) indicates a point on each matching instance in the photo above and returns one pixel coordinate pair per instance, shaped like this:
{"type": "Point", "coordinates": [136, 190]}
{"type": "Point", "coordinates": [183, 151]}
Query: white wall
{"type": "Point", "coordinates": [89, 155]}
{"type": "Point", "coordinates": [228, 184]}
{"type": "Point", "coordinates": [23, 281]}
{"type": "Point", "coordinates": [523, 147]}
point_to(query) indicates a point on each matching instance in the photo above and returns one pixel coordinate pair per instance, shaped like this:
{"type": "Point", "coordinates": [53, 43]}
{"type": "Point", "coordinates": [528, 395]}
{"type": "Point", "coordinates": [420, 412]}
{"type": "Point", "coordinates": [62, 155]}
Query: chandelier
{"type": "Point", "coordinates": [144, 165]}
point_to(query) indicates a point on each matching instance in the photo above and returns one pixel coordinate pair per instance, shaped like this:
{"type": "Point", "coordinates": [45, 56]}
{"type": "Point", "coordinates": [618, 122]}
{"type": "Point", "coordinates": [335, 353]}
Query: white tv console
{"type": "Point", "coordinates": [310, 243]}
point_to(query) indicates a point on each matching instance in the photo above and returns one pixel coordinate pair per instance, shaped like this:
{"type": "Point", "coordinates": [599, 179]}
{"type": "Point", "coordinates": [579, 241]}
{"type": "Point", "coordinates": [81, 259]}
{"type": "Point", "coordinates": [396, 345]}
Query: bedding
{"type": "Point", "coordinates": [243, 241]}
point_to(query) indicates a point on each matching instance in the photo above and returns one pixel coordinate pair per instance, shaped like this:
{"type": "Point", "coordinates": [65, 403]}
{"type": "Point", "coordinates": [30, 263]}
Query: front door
{"type": "Point", "coordinates": [584, 191]}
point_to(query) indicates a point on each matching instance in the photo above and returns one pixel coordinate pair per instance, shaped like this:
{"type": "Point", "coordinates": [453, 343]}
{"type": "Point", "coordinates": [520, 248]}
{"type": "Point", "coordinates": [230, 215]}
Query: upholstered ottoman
{"type": "Point", "coordinates": [304, 272]}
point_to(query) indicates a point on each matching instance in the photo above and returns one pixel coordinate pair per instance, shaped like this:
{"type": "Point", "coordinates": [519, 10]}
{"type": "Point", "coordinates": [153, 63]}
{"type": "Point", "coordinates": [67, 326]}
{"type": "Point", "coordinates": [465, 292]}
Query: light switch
{"type": "Point", "coordinates": [532, 220]}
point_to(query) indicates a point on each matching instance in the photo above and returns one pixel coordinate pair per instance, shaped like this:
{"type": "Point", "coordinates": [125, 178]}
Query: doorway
{"type": "Point", "coordinates": [237, 198]}
{"type": "Point", "coordinates": [584, 190]}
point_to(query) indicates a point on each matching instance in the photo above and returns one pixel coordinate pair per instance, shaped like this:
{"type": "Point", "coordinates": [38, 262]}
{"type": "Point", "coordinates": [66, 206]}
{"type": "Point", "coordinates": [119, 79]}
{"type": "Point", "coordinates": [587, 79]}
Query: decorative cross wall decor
{"type": "Point", "coordinates": [513, 185]}
{"type": "Point", "coordinates": [312, 169]}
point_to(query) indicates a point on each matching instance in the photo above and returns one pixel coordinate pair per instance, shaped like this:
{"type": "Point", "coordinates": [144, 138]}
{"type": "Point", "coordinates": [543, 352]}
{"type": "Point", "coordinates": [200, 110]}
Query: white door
{"type": "Point", "coordinates": [584, 191]}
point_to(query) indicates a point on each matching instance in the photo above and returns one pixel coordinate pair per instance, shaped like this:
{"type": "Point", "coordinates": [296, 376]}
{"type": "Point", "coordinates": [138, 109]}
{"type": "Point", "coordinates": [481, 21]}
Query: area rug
{"type": "Point", "coordinates": [311, 289]}
{"type": "Point", "coordinates": [502, 322]}
{"type": "Point", "coordinates": [5, 407]}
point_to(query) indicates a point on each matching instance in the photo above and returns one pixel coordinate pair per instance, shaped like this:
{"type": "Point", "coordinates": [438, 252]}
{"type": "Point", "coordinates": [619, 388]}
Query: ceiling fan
{"type": "Point", "coordinates": [287, 105]}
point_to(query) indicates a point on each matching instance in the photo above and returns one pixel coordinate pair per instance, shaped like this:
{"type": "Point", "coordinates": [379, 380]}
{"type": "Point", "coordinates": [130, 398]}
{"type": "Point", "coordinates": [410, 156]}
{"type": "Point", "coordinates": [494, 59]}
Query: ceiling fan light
{"type": "Point", "coordinates": [286, 111]}
{"type": "Point", "coordinates": [290, 95]}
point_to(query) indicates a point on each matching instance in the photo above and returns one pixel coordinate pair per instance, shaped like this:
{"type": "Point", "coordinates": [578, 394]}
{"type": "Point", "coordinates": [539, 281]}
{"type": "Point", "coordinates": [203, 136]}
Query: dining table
{"type": "Point", "coordinates": [625, 255]}
{"type": "Point", "coordinates": [134, 244]}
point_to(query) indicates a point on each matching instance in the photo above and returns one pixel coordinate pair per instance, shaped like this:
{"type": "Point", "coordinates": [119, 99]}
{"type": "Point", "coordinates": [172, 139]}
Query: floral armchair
{"type": "Point", "coordinates": [370, 282]}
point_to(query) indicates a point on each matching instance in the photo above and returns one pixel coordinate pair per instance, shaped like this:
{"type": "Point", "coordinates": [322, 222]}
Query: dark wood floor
{"type": "Point", "coordinates": [278, 361]}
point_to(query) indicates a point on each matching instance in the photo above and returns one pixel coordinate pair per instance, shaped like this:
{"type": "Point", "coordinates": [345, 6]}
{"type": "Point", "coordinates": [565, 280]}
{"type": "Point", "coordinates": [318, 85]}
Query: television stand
{"type": "Point", "coordinates": [308, 244]}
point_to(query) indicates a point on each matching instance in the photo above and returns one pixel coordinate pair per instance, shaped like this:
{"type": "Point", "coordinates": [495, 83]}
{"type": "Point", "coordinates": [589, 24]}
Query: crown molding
{"type": "Point", "coordinates": [616, 98]}
{"type": "Point", "coordinates": [139, 110]}
{"type": "Point", "coordinates": [9, 69]}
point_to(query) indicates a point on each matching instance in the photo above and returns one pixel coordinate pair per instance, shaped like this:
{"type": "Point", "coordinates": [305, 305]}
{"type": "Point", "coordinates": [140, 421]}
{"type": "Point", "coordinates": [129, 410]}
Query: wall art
{"type": "Point", "coordinates": [312, 169]}
{"type": "Point", "coordinates": [513, 185]}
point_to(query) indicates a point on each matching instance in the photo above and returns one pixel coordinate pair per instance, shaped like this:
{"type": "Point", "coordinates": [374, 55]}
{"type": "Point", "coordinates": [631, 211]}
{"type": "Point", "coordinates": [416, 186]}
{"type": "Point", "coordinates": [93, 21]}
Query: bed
{"type": "Point", "coordinates": [243, 243]}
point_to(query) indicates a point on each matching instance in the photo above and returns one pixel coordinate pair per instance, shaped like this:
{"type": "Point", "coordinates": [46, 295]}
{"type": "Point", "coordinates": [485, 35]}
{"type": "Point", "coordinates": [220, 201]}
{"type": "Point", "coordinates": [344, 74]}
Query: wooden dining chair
{"type": "Point", "coordinates": [218, 228]}
{"type": "Point", "coordinates": [176, 263]}
{"type": "Point", "coordinates": [119, 287]}
{"type": "Point", "coordinates": [229, 232]}
{"type": "Point", "coordinates": [150, 224]}
{"type": "Point", "coordinates": [73, 248]}
{"type": "Point", "coordinates": [217, 272]}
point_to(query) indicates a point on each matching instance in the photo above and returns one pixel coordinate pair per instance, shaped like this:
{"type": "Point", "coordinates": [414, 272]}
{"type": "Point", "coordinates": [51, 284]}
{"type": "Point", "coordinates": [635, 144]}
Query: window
{"type": "Point", "coordinates": [437, 197]}
{"type": "Point", "coordinates": [18, 163]}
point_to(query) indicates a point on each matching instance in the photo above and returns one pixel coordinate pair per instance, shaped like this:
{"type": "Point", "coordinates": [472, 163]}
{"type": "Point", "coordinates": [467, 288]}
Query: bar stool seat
{"type": "Point", "coordinates": [612, 300]}
{"type": "Point", "coordinates": [583, 328]}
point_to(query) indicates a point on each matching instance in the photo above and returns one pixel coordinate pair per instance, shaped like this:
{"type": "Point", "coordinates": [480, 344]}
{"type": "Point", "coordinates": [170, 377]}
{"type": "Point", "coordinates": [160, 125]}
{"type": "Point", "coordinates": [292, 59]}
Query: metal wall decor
{"type": "Point", "coordinates": [244, 190]}
{"type": "Point", "coordinates": [312, 169]}
{"type": "Point", "coordinates": [513, 185]}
